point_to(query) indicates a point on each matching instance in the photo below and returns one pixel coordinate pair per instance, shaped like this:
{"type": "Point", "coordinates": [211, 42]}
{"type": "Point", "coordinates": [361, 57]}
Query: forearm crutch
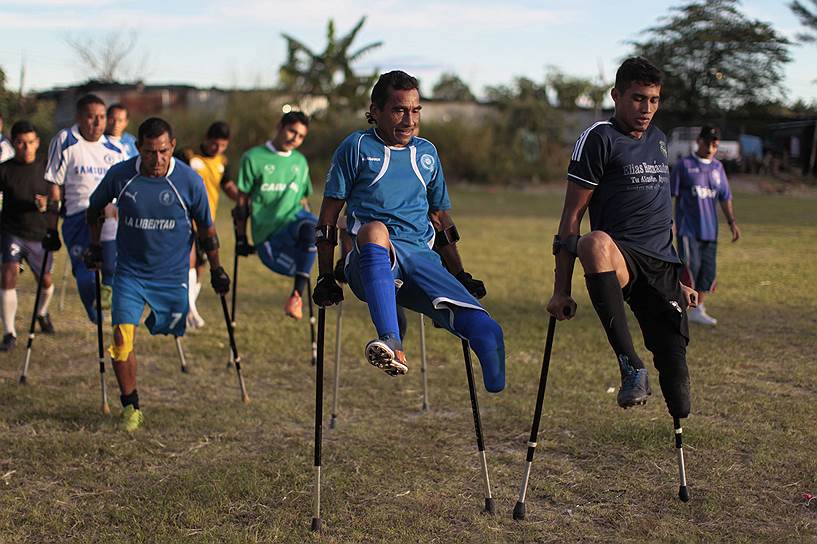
{"type": "Point", "coordinates": [469, 371]}
{"type": "Point", "coordinates": [233, 350]}
{"type": "Point", "coordinates": [336, 377]}
{"type": "Point", "coordinates": [24, 372]}
{"type": "Point", "coordinates": [99, 342]}
{"type": "Point", "coordinates": [316, 516]}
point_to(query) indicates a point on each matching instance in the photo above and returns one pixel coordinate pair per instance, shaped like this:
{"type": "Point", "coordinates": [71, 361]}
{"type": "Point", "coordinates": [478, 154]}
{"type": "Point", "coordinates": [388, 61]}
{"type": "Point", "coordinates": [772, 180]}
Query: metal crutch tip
{"type": "Point", "coordinates": [519, 511]}
{"type": "Point", "coordinates": [106, 409]}
{"type": "Point", "coordinates": [245, 398]}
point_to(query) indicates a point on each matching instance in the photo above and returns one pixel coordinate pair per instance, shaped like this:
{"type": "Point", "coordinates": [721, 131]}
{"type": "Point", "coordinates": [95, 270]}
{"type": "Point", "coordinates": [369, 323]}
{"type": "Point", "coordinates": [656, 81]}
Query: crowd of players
{"type": "Point", "coordinates": [141, 212]}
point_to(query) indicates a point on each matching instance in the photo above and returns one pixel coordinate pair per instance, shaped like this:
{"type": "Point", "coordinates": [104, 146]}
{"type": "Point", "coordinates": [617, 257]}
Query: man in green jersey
{"type": "Point", "coordinates": [273, 183]}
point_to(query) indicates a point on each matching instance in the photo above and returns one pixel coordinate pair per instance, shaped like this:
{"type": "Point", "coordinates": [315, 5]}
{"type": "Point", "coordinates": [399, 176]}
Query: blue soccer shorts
{"type": "Point", "coordinates": [167, 300]}
{"type": "Point", "coordinates": [291, 250]}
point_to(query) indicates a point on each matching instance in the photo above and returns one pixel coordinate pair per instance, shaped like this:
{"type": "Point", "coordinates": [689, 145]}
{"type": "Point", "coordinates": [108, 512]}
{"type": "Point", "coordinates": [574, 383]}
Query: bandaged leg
{"type": "Point", "coordinates": [194, 320]}
{"type": "Point", "coordinates": [124, 360]}
{"type": "Point", "coordinates": [9, 302]}
{"type": "Point", "coordinates": [45, 299]}
{"type": "Point", "coordinates": [486, 339]}
{"type": "Point", "coordinates": [378, 285]}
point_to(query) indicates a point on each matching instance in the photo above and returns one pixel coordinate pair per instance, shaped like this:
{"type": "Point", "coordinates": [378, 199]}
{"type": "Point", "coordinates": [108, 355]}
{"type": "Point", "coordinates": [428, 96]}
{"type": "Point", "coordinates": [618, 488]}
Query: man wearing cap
{"type": "Point", "coordinates": [697, 181]}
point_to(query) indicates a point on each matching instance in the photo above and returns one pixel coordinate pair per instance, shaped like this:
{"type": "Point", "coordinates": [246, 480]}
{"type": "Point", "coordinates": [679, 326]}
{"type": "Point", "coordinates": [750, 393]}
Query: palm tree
{"type": "Point", "coordinates": [329, 73]}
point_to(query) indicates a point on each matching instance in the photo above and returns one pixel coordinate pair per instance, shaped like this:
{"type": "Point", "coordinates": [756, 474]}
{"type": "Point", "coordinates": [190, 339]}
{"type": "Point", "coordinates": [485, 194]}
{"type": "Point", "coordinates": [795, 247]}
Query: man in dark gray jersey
{"type": "Point", "coordinates": [619, 171]}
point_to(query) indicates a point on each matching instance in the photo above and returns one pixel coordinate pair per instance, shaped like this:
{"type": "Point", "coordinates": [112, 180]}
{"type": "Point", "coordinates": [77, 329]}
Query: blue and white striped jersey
{"type": "Point", "coordinates": [397, 186]}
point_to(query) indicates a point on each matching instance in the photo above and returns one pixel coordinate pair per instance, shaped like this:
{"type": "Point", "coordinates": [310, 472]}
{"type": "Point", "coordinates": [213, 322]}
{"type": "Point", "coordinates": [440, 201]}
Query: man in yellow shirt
{"type": "Point", "coordinates": [210, 162]}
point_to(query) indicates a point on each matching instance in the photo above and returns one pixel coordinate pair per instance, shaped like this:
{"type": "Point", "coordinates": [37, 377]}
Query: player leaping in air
{"type": "Point", "coordinates": [392, 184]}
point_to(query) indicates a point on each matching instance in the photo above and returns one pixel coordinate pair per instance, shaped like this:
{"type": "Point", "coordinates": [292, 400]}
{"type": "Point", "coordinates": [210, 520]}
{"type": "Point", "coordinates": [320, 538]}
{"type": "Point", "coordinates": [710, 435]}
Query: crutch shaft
{"type": "Point", "coordinates": [336, 377]}
{"type": "Point", "coordinates": [236, 358]}
{"type": "Point", "coordinates": [469, 371]}
{"type": "Point", "coordinates": [316, 518]}
{"type": "Point", "coordinates": [38, 294]}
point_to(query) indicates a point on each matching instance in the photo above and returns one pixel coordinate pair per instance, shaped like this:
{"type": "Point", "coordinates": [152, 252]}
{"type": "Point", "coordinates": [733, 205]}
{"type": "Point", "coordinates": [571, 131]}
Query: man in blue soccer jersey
{"type": "Point", "coordinates": [619, 171]}
{"type": "Point", "coordinates": [697, 182]}
{"type": "Point", "coordinates": [392, 184]}
{"type": "Point", "coordinates": [115, 127]}
{"type": "Point", "coordinates": [78, 158]}
{"type": "Point", "coordinates": [158, 200]}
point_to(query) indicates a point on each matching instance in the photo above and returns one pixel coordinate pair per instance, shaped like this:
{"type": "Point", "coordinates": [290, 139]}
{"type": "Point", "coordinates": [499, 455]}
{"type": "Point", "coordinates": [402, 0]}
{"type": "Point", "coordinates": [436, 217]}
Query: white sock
{"type": "Point", "coordinates": [45, 300]}
{"type": "Point", "coordinates": [9, 302]}
{"type": "Point", "coordinates": [192, 294]}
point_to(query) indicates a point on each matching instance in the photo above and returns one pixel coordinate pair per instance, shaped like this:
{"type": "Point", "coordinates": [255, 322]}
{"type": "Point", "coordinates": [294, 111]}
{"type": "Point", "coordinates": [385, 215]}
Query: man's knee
{"type": "Point", "coordinates": [373, 233]}
{"type": "Point", "coordinates": [595, 246]}
{"type": "Point", "coordinates": [122, 342]}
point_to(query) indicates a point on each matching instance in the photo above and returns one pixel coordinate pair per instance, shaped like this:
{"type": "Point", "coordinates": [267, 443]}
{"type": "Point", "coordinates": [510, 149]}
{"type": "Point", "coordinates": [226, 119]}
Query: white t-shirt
{"type": "Point", "coordinates": [6, 149]}
{"type": "Point", "coordinates": [78, 166]}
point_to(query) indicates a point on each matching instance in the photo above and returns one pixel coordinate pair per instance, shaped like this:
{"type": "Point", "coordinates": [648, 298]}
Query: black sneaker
{"type": "Point", "coordinates": [9, 341]}
{"type": "Point", "coordinates": [635, 385]}
{"type": "Point", "coordinates": [45, 324]}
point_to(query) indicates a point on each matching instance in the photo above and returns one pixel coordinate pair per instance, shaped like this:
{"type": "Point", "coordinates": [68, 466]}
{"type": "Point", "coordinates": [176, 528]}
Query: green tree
{"type": "Point", "coordinates": [451, 87]}
{"type": "Point", "coordinates": [807, 18]}
{"type": "Point", "coordinates": [15, 107]}
{"type": "Point", "coordinates": [328, 74]}
{"type": "Point", "coordinates": [715, 58]}
{"type": "Point", "coordinates": [568, 89]}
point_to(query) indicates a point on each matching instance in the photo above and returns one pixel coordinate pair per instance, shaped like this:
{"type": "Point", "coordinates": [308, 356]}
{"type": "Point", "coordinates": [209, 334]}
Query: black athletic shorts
{"type": "Point", "coordinates": [655, 296]}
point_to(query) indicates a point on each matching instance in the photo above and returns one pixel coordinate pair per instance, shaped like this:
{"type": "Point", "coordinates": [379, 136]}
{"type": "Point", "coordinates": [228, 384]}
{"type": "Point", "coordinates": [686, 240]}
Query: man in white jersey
{"type": "Point", "coordinates": [6, 149]}
{"type": "Point", "coordinates": [78, 158]}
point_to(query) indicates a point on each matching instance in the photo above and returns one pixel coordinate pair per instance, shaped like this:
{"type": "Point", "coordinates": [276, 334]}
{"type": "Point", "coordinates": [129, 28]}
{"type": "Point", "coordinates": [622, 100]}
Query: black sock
{"type": "Point", "coordinates": [402, 322]}
{"type": "Point", "coordinates": [300, 285]}
{"type": "Point", "coordinates": [132, 399]}
{"type": "Point", "coordinates": [605, 294]}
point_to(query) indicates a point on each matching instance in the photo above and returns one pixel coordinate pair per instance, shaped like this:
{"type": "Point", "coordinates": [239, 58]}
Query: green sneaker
{"type": "Point", "coordinates": [106, 295]}
{"type": "Point", "coordinates": [131, 419]}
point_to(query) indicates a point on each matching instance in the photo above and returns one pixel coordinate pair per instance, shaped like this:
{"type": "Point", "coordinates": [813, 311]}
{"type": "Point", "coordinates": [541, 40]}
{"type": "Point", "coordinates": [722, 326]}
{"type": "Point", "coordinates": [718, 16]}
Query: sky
{"type": "Point", "coordinates": [239, 44]}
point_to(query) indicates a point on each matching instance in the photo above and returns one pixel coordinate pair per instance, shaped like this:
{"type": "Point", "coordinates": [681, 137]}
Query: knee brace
{"type": "Point", "coordinates": [120, 352]}
{"type": "Point", "coordinates": [486, 339]}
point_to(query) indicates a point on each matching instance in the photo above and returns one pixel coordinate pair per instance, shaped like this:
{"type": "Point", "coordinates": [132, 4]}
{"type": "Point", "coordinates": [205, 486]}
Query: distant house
{"type": "Point", "coordinates": [795, 143]}
{"type": "Point", "coordinates": [140, 99]}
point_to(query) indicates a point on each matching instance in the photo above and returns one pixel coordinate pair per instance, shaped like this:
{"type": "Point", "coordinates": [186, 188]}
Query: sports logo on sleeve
{"type": "Point", "coordinates": [427, 161]}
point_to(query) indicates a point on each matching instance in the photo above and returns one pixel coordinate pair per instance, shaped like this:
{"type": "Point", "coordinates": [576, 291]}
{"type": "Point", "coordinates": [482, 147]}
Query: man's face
{"type": "Point", "coordinates": [399, 119]}
{"type": "Point", "coordinates": [155, 154]}
{"type": "Point", "coordinates": [707, 149]}
{"type": "Point", "coordinates": [117, 123]}
{"type": "Point", "coordinates": [91, 121]}
{"type": "Point", "coordinates": [636, 106]}
{"type": "Point", "coordinates": [25, 147]}
{"type": "Point", "coordinates": [215, 146]}
{"type": "Point", "coordinates": [290, 137]}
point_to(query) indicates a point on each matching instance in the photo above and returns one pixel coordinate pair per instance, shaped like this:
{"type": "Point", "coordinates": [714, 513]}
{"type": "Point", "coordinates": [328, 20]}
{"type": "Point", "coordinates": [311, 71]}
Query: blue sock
{"type": "Point", "coordinates": [378, 285]}
{"type": "Point", "coordinates": [486, 339]}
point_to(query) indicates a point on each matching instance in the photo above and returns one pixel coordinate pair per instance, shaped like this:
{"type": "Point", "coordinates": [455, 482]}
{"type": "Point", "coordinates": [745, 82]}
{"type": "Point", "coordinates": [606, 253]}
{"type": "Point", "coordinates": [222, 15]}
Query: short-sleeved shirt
{"type": "Point", "coordinates": [213, 171]}
{"type": "Point", "coordinates": [697, 184]}
{"type": "Point", "coordinates": [19, 183]}
{"type": "Point", "coordinates": [276, 182]}
{"type": "Point", "coordinates": [127, 143]}
{"type": "Point", "coordinates": [631, 190]}
{"type": "Point", "coordinates": [79, 165]}
{"type": "Point", "coordinates": [398, 186]}
{"type": "Point", "coordinates": [156, 216]}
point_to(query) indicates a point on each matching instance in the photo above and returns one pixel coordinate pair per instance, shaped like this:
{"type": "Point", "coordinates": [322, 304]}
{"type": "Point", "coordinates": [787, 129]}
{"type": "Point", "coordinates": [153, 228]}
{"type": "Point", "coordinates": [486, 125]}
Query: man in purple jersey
{"type": "Point", "coordinates": [619, 172]}
{"type": "Point", "coordinates": [698, 180]}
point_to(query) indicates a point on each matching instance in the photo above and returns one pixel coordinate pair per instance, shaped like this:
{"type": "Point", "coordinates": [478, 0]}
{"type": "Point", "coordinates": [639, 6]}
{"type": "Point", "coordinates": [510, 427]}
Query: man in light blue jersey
{"type": "Point", "coordinates": [117, 122]}
{"type": "Point", "coordinates": [393, 186]}
{"type": "Point", "coordinates": [78, 158]}
{"type": "Point", "coordinates": [158, 200]}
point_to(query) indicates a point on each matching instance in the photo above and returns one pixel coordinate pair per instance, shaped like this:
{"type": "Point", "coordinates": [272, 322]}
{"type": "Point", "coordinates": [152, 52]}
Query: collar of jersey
{"type": "Point", "coordinates": [169, 170]}
{"type": "Point", "coordinates": [275, 150]}
{"type": "Point", "coordinates": [81, 138]}
{"type": "Point", "coordinates": [701, 159]}
{"type": "Point", "coordinates": [374, 133]}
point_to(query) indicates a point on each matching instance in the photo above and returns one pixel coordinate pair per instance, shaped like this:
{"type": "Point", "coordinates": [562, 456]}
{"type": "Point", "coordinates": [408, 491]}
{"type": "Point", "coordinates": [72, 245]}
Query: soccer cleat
{"type": "Point", "coordinates": [635, 385]}
{"type": "Point", "coordinates": [131, 419]}
{"type": "Point", "coordinates": [106, 296]}
{"type": "Point", "coordinates": [293, 307]}
{"type": "Point", "coordinates": [698, 315]}
{"type": "Point", "coordinates": [9, 341]}
{"type": "Point", "coordinates": [391, 360]}
{"type": "Point", "coordinates": [45, 324]}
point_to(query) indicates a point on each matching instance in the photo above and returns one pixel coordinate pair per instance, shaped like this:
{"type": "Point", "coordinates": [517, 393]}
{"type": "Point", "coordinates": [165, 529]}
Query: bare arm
{"type": "Point", "coordinates": [577, 199]}
{"type": "Point", "coordinates": [729, 212]}
{"type": "Point", "coordinates": [230, 189]}
{"type": "Point", "coordinates": [449, 253]}
{"type": "Point", "coordinates": [243, 201]}
{"type": "Point", "coordinates": [330, 210]}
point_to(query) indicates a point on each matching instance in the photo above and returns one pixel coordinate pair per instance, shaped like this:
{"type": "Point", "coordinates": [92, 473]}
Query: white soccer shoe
{"type": "Point", "coordinates": [698, 315]}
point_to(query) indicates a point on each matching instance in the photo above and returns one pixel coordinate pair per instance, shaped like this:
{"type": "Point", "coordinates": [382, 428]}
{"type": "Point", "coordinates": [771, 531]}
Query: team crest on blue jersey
{"type": "Point", "coordinates": [166, 197]}
{"type": "Point", "coordinates": [662, 145]}
{"type": "Point", "coordinates": [427, 161]}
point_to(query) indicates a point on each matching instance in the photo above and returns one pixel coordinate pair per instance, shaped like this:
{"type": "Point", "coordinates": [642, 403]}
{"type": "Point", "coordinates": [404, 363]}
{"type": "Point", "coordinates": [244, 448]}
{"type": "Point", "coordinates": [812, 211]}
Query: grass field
{"type": "Point", "coordinates": [208, 469]}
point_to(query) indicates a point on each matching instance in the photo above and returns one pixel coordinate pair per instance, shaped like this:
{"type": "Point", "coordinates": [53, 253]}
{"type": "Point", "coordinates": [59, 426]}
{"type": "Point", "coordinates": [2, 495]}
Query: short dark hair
{"type": "Point", "coordinates": [153, 127]}
{"type": "Point", "coordinates": [113, 107]}
{"type": "Point", "coordinates": [22, 127]}
{"type": "Point", "coordinates": [292, 117]}
{"type": "Point", "coordinates": [87, 100]}
{"type": "Point", "coordinates": [218, 131]}
{"type": "Point", "coordinates": [637, 70]}
{"type": "Point", "coordinates": [395, 80]}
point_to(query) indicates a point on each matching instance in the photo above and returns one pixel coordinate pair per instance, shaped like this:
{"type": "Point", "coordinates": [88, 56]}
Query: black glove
{"type": "Point", "coordinates": [219, 280]}
{"type": "Point", "coordinates": [473, 285]}
{"type": "Point", "coordinates": [243, 247]}
{"type": "Point", "coordinates": [327, 292]}
{"type": "Point", "coordinates": [51, 241]}
{"type": "Point", "coordinates": [339, 273]}
{"type": "Point", "coordinates": [93, 257]}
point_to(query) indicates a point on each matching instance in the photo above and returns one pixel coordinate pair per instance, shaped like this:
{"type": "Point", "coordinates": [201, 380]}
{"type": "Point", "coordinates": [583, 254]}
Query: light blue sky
{"type": "Point", "coordinates": [230, 44]}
